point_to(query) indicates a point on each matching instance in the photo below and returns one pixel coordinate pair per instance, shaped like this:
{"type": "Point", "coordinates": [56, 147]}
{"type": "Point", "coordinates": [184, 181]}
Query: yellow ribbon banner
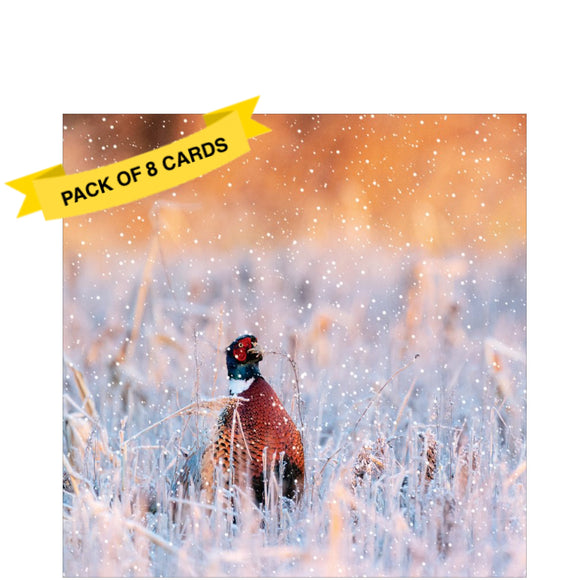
{"type": "Point", "coordinates": [62, 196]}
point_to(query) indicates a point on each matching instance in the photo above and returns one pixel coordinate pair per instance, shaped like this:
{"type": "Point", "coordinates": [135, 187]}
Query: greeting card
{"type": "Point", "coordinates": [294, 344]}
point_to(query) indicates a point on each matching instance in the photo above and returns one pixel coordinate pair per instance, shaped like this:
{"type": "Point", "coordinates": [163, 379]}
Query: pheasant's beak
{"type": "Point", "coordinates": [255, 353]}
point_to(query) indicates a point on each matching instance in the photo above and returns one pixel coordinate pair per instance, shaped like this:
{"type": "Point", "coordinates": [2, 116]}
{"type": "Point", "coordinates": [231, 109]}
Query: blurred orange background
{"type": "Point", "coordinates": [437, 183]}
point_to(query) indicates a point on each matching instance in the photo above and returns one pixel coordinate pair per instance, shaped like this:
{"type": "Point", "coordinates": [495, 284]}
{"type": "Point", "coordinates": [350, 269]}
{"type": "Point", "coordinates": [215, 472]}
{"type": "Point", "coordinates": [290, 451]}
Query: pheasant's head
{"type": "Point", "coordinates": [242, 358]}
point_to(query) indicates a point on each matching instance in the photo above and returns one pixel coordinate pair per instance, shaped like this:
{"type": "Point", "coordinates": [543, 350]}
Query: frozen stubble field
{"type": "Point", "coordinates": [420, 472]}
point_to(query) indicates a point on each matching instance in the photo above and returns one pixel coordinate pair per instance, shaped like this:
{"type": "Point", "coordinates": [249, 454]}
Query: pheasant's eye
{"type": "Point", "coordinates": [240, 345]}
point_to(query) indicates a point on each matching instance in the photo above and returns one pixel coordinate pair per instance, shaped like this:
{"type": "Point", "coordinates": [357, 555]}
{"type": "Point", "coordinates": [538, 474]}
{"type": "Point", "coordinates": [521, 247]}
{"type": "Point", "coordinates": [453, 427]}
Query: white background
{"type": "Point", "coordinates": [300, 57]}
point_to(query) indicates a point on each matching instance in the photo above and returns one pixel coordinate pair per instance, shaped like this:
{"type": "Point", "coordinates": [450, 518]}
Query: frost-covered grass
{"type": "Point", "coordinates": [421, 475]}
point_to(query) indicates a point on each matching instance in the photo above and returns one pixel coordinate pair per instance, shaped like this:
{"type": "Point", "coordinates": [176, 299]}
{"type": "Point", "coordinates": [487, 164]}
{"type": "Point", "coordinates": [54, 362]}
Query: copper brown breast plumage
{"type": "Point", "coordinates": [255, 438]}
{"type": "Point", "coordinates": [259, 438]}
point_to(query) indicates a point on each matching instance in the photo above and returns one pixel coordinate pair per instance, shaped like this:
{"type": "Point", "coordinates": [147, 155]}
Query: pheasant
{"type": "Point", "coordinates": [255, 437]}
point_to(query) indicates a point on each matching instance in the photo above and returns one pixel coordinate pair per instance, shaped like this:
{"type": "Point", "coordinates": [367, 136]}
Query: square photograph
{"type": "Point", "coordinates": [310, 362]}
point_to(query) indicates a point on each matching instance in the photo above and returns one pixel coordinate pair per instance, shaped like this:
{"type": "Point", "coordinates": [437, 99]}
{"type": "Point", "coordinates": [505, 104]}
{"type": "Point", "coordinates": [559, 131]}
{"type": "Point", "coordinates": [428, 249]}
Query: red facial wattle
{"type": "Point", "coordinates": [241, 349]}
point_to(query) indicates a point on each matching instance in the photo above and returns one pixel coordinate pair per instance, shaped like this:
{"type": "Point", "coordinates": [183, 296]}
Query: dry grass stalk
{"type": "Point", "coordinates": [516, 473]}
{"type": "Point", "coordinates": [81, 436]}
{"type": "Point", "coordinates": [429, 451]}
{"type": "Point", "coordinates": [297, 395]}
{"type": "Point", "coordinates": [217, 404]}
{"type": "Point", "coordinates": [88, 403]}
{"type": "Point", "coordinates": [498, 357]}
{"type": "Point", "coordinates": [466, 469]}
{"type": "Point", "coordinates": [403, 406]}
{"type": "Point", "coordinates": [445, 523]}
{"type": "Point", "coordinates": [83, 432]}
{"type": "Point", "coordinates": [370, 463]}
{"type": "Point", "coordinates": [151, 536]}
{"type": "Point", "coordinates": [71, 478]}
{"type": "Point", "coordinates": [140, 301]}
{"type": "Point", "coordinates": [340, 505]}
